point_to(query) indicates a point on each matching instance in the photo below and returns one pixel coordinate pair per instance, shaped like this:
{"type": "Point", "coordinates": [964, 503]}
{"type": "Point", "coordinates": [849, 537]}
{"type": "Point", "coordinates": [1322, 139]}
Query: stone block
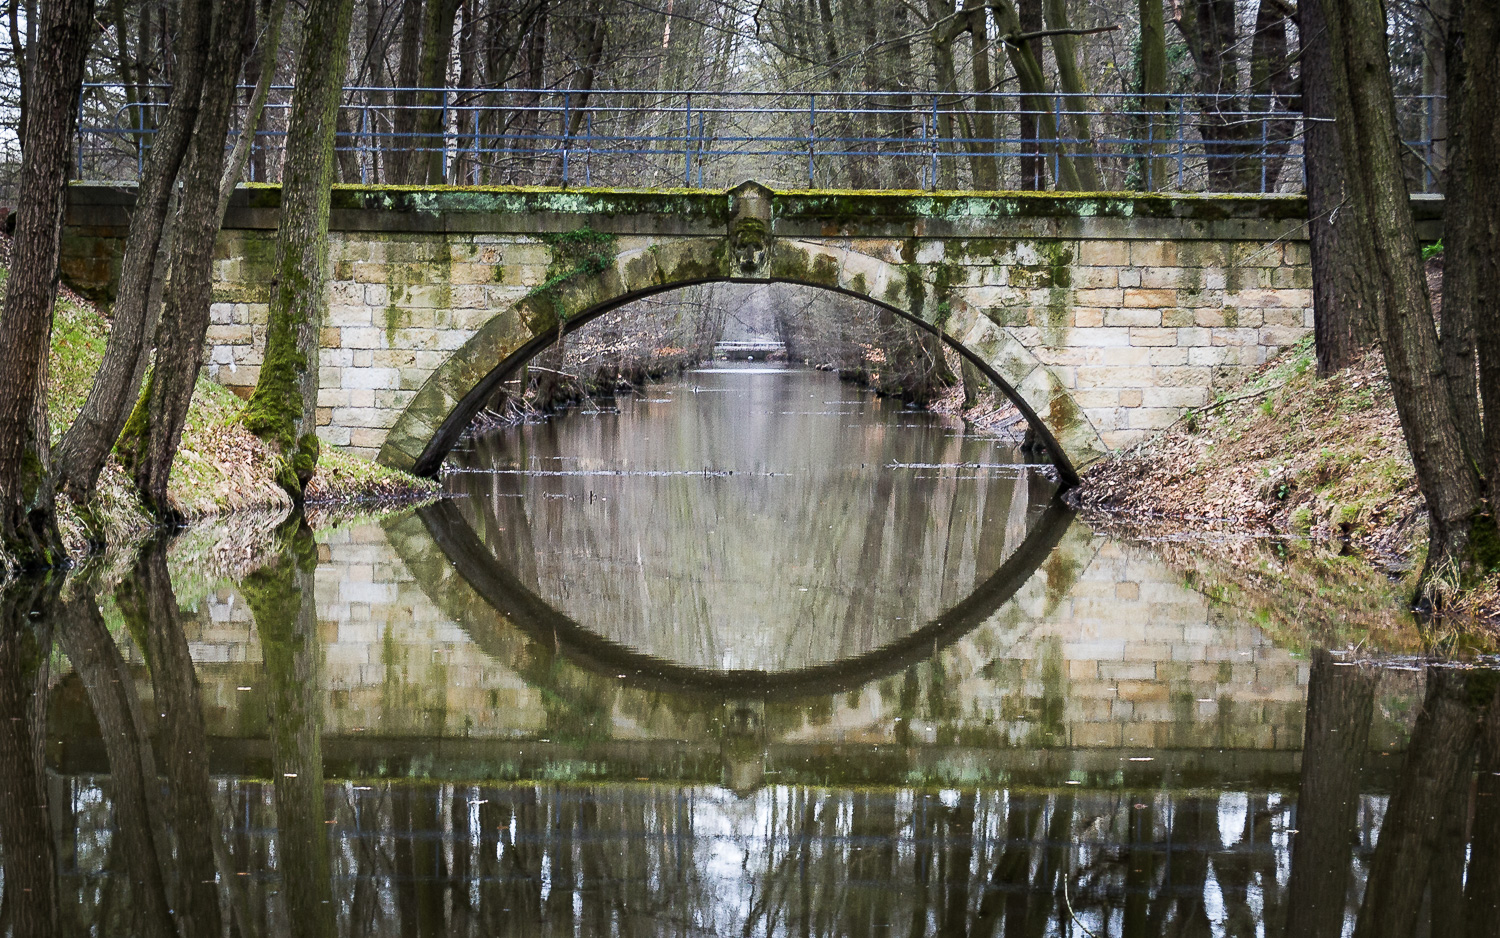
{"type": "Point", "coordinates": [349, 315]}
{"type": "Point", "coordinates": [1153, 336]}
{"type": "Point", "coordinates": [1097, 297]}
{"type": "Point", "coordinates": [1162, 278]}
{"type": "Point", "coordinates": [1194, 337]}
{"type": "Point", "coordinates": [1280, 336]}
{"type": "Point", "coordinates": [361, 358]}
{"type": "Point", "coordinates": [1153, 253]}
{"type": "Point", "coordinates": [372, 378]}
{"type": "Point", "coordinates": [1152, 418]}
{"type": "Point", "coordinates": [1178, 316]}
{"type": "Point", "coordinates": [1131, 398]}
{"type": "Point", "coordinates": [367, 338]}
{"type": "Point", "coordinates": [1095, 278]}
{"type": "Point", "coordinates": [1130, 277]}
{"type": "Point", "coordinates": [1155, 299]}
{"type": "Point", "coordinates": [1235, 337]}
{"type": "Point", "coordinates": [1099, 338]}
{"type": "Point", "coordinates": [1179, 397]}
{"type": "Point", "coordinates": [1093, 398]}
{"type": "Point", "coordinates": [1109, 377]}
{"type": "Point", "coordinates": [1088, 316]}
{"type": "Point", "coordinates": [1132, 317]}
{"type": "Point", "coordinates": [1093, 253]}
{"type": "Point", "coordinates": [1132, 355]}
{"type": "Point", "coordinates": [1172, 356]}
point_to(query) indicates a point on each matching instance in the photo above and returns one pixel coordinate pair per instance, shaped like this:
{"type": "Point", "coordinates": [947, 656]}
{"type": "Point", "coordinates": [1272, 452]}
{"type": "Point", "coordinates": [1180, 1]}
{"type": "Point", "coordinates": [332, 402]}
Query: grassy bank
{"type": "Point", "coordinates": [1302, 485]}
{"type": "Point", "coordinates": [221, 468]}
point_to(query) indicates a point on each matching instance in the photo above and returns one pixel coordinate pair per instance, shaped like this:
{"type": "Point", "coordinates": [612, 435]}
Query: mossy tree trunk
{"type": "Point", "coordinates": [1151, 82]}
{"type": "Point", "coordinates": [87, 444]}
{"type": "Point", "coordinates": [1070, 79]}
{"type": "Point", "coordinates": [280, 596]}
{"type": "Point", "coordinates": [1037, 97]}
{"type": "Point", "coordinates": [28, 527]}
{"type": "Point", "coordinates": [1368, 137]}
{"type": "Point", "coordinates": [149, 446]}
{"type": "Point", "coordinates": [283, 408]}
{"type": "Point", "coordinates": [1343, 305]}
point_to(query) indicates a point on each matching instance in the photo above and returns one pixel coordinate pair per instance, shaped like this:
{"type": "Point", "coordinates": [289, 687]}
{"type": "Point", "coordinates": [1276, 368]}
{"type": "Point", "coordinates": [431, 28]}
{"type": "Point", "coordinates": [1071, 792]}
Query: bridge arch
{"type": "Point", "coordinates": [435, 418]}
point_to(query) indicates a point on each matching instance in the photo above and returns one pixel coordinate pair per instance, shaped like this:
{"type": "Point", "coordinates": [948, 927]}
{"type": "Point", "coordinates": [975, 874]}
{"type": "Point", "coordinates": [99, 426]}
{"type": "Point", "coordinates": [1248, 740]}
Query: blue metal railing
{"type": "Point", "coordinates": [843, 139]}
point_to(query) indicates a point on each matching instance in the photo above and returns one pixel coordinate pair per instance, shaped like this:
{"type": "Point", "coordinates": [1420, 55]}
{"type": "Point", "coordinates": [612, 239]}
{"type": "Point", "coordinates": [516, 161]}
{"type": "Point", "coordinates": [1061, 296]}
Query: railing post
{"type": "Point", "coordinates": [78, 136]}
{"type": "Point", "coordinates": [1264, 139]}
{"type": "Point", "coordinates": [935, 140]}
{"type": "Point", "coordinates": [443, 115]}
{"type": "Point", "coordinates": [1181, 143]}
{"type": "Point", "coordinates": [368, 157]}
{"type": "Point", "coordinates": [687, 142]}
{"type": "Point", "coordinates": [812, 136]}
{"type": "Point", "coordinates": [588, 149]}
{"type": "Point", "coordinates": [567, 121]}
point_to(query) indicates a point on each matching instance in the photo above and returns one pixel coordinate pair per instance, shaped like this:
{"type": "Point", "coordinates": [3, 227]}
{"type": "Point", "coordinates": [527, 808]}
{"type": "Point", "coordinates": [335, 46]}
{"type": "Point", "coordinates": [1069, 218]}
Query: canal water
{"type": "Point", "coordinates": [751, 652]}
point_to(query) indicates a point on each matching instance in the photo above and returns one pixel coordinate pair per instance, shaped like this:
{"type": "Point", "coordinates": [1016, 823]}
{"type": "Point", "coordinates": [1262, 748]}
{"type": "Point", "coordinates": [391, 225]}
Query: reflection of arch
{"type": "Point", "coordinates": [440, 411]}
{"type": "Point", "coordinates": [505, 592]}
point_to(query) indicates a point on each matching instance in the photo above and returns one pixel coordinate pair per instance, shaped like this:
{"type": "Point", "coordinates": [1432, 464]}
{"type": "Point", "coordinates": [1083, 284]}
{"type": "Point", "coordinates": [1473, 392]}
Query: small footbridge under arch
{"type": "Point", "coordinates": [1103, 316]}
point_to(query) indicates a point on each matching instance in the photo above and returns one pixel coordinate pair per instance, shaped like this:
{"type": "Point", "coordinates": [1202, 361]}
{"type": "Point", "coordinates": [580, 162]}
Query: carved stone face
{"type": "Point", "coordinates": [748, 241]}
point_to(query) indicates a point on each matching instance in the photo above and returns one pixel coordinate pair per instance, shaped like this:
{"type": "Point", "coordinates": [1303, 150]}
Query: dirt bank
{"type": "Point", "coordinates": [1299, 483]}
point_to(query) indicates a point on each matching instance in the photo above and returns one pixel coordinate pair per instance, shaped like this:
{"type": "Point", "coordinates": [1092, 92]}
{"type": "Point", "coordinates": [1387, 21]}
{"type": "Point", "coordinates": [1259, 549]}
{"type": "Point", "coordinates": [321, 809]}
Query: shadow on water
{"type": "Point", "coordinates": [387, 730]}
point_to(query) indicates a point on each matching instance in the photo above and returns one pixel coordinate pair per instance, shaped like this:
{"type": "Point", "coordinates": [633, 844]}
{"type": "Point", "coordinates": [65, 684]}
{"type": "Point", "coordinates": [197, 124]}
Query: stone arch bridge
{"type": "Point", "coordinates": [1104, 316]}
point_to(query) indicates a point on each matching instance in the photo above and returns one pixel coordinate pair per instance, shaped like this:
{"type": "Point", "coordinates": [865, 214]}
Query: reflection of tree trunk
{"type": "Point", "coordinates": [280, 595]}
{"type": "Point", "coordinates": [149, 601]}
{"type": "Point", "coordinates": [1340, 701]}
{"type": "Point", "coordinates": [960, 837]}
{"type": "Point", "coordinates": [1140, 871]}
{"type": "Point", "coordinates": [30, 906]}
{"type": "Point", "coordinates": [1441, 752]}
{"type": "Point", "coordinates": [132, 768]}
{"type": "Point", "coordinates": [1482, 901]}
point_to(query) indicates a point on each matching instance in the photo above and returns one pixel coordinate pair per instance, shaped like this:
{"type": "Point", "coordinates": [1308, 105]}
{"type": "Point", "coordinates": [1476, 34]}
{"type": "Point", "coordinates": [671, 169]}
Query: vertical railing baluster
{"type": "Point", "coordinates": [567, 120]}
{"type": "Point", "coordinates": [1181, 142]}
{"type": "Point", "coordinates": [812, 136]}
{"type": "Point", "coordinates": [934, 140]}
{"type": "Point", "coordinates": [687, 142]}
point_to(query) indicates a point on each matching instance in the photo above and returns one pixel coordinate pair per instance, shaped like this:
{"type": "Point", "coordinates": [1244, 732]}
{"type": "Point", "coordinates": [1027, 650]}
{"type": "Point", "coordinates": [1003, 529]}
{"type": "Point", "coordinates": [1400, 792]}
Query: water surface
{"type": "Point", "coordinates": [751, 653]}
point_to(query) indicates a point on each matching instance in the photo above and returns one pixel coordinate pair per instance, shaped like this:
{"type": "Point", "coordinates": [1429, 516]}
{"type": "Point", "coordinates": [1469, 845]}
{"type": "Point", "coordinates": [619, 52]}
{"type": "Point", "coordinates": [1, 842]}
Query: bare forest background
{"type": "Point", "coordinates": [1018, 94]}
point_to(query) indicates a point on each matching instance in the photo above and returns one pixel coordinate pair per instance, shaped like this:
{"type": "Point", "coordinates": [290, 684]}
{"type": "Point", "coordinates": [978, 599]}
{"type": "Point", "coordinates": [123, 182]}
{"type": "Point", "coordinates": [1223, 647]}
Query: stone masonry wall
{"type": "Point", "coordinates": [1137, 331]}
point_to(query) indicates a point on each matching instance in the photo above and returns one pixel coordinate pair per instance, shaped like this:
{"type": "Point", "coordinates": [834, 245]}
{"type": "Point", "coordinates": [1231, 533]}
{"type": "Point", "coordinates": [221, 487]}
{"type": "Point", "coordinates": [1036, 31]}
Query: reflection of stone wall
{"type": "Point", "coordinates": [1103, 648]}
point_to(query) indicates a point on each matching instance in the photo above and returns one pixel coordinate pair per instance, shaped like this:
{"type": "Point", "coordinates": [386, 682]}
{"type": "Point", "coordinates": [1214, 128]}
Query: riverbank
{"type": "Point", "coordinates": [1287, 480]}
{"type": "Point", "coordinates": [221, 468]}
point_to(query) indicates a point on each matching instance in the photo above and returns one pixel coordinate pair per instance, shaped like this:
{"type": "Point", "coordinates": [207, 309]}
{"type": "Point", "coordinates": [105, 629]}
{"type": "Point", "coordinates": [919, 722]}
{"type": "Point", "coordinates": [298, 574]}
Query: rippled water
{"type": "Point", "coordinates": [753, 653]}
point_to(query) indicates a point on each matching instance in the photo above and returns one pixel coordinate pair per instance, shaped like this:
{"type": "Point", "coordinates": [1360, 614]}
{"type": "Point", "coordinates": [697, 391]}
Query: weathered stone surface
{"type": "Point", "coordinates": [1105, 315]}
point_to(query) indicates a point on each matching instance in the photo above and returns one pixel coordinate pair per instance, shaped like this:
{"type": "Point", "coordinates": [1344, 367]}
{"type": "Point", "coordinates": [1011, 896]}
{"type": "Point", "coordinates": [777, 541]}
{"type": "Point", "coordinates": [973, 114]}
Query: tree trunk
{"type": "Point", "coordinates": [1460, 253]}
{"type": "Point", "coordinates": [31, 893]}
{"type": "Point", "coordinates": [1366, 110]}
{"type": "Point", "coordinates": [1343, 305]}
{"type": "Point", "coordinates": [1035, 94]}
{"type": "Point", "coordinates": [1480, 117]}
{"type": "Point", "coordinates": [150, 449]}
{"type": "Point", "coordinates": [88, 441]}
{"type": "Point", "coordinates": [1033, 160]}
{"type": "Point", "coordinates": [283, 408]}
{"type": "Point", "coordinates": [28, 528]}
{"type": "Point", "coordinates": [149, 606]}
{"type": "Point", "coordinates": [432, 115]}
{"type": "Point", "coordinates": [268, 45]}
{"type": "Point", "coordinates": [134, 788]}
{"type": "Point", "coordinates": [1482, 898]}
{"type": "Point", "coordinates": [408, 72]}
{"type": "Point", "coordinates": [1340, 703]}
{"type": "Point", "coordinates": [1070, 79]}
{"type": "Point", "coordinates": [983, 163]}
{"type": "Point", "coordinates": [1151, 82]}
{"type": "Point", "coordinates": [1441, 752]}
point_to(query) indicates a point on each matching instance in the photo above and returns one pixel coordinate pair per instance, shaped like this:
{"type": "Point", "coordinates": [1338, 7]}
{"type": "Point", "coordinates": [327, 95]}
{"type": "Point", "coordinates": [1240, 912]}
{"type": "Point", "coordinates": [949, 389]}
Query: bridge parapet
{"type": "Point", "coordinates": [1106, 314]}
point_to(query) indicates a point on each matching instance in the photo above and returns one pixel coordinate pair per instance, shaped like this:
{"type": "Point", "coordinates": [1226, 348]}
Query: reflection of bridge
{"type": "Point", "coordinates": [1102, 656]}
{"type": "Point", "coordinates": [1103, 316]}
